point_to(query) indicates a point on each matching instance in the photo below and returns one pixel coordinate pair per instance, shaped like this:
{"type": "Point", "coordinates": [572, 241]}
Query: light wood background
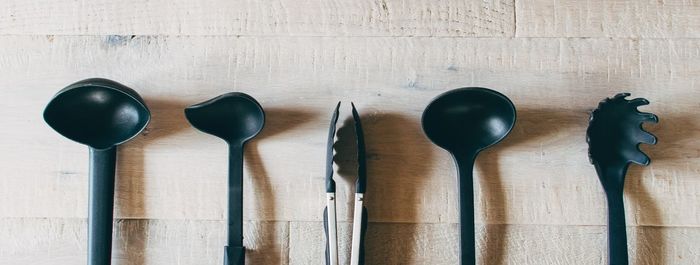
{"type": "Point", "coordinates": [538, 200]}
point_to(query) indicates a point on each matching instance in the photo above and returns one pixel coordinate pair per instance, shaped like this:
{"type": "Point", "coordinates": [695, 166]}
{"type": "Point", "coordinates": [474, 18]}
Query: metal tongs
{"type": "Point", "coordinates": [359, 225]}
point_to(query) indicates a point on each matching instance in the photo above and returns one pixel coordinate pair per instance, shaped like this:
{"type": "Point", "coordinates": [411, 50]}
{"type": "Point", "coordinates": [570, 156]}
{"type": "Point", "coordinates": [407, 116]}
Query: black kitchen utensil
{"type": "Point", "coordinates": [614, 134]}
{"type": "Point", "coordinates": [236, 118]}
{"type": "Point", "coordinates": [101, 114]}
{"type": "Point", "coordinates": [359, 228]}
{"type": "Point", "coordinates": [359, 224]}
{"type": "Point", "coordinates": [329, 214]}
{"type": "Point", "coordinates": [464, 122]}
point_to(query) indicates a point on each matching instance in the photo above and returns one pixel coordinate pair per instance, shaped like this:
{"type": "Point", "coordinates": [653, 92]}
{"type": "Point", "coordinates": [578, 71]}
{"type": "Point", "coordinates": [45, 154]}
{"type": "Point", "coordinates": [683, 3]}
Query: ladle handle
{"type": "Point", "coordinates": [467, 246]}
{"type": "Point", "coordinates": [101, 205]}
{"type": "Point", "coordinates": [235, 251]}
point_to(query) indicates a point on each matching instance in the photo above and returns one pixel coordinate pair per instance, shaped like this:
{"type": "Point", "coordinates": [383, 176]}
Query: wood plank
{"type": "Point", "coordinates": [62, 241]}
{"type": "Point", "coordinates": [608, 18]}
{"type": "Point", "coordinates": [539, 175]}
{"type": "Point", "coordinates": [137, 242]}
{"type": "Point", "coordinates": [259, 18]}
{"type": "Point", "coordinates": [497, 244]}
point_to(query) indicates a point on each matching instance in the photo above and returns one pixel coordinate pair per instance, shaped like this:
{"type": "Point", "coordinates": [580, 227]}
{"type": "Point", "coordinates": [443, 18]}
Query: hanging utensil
{"type": "Point", "coordinates": [359, 224]}
{"type": "Point", "coordinates": [464, 122]}
{"type": "Point", "coordinates": [329, 214]}
{"type": "Point", "coordinates": [101, 114]}
{"type": "Point", "coordinates": [614, 134]}
{"type": "Point", "coordinates": [357, 250]}
{"type": "Point", "coordinates": [235, 118]}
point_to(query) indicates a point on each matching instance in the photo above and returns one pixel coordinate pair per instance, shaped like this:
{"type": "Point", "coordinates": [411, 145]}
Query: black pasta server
{"type": "Point", "coordinates": [614, 135]}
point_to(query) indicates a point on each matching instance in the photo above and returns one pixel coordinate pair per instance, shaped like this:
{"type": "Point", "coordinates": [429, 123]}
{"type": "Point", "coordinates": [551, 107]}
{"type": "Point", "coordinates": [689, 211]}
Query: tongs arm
{"type": "Point", "coordinates": [359, 226]}
{"type": "Point", "coordinates": [329, 214]}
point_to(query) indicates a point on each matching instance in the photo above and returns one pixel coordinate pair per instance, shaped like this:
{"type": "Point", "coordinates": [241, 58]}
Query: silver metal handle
{"type": "Point", "coordinates": [332, 229]}
{"type": "Point", "coordinates": [357, 229]}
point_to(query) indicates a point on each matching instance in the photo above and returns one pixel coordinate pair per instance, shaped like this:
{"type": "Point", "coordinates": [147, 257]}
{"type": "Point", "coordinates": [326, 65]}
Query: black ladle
{"type": "Point", "coordinates": [235, 118]}
{"type": "Point", "coordinates": [614, 134]}
{"type": "Point", "coordinates": [464, 122]}
{"type": "Point", "coordinates": [101, 114]}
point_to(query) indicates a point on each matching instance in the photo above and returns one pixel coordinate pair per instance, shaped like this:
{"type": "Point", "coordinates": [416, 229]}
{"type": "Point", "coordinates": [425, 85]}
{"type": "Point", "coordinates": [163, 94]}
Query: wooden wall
{"type": "Point", "coordinates": [538, 200]}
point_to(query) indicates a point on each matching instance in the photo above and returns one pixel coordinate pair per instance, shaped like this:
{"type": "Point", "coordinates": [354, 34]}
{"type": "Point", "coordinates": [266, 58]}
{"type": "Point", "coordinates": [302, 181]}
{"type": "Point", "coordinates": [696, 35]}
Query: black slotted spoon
{"type": "Point", "coordinates": [614, 135]}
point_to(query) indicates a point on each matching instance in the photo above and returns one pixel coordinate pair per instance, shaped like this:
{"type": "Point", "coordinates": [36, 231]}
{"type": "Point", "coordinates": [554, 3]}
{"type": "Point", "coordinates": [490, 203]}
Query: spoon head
{"type": "Point", "coordinates": [97, 112]}
{"type": "Point", "coordinates": [615, 132]}
{"type": "Point", "coordinates": [235, 117]}
{"type": "Point", "coordinates": [468, 119]}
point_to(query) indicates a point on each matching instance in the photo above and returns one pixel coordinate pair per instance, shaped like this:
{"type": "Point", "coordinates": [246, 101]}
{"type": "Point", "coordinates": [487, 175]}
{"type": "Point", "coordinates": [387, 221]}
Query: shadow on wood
{"type": "Point", "coordinates": [345, 160]}
{"type": "Point", "coordinates": [277, 121]}
{"type": "Point", "coordinates": [650, 246]}
{"type": "Point", "coordinates": [130, 245]}
{"type": "Point", "coordinates": [167, 118]}
{"type": "Point", "coordinates": [675, 133]}
{"type": "Point", "coordinates": [531, 126]}
{"type": "Point", "coordinates": [399, 158]}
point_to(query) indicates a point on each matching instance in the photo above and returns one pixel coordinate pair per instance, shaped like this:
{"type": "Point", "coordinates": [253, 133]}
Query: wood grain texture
{"type": "Point", "coordinates": [499, 244]}
{"type": "Point", "coordinates": [608, 18]}
{"type": "Point", "coordinates": [62, 241]}
{"type": "Point", "coordinates": [538, 200]}
{"type": "Point", "coordinates": [260, 18]}
{"type": "Point", "coordinates": [137, 242]}
{"type": "Point", "coordinates": [539, 175]}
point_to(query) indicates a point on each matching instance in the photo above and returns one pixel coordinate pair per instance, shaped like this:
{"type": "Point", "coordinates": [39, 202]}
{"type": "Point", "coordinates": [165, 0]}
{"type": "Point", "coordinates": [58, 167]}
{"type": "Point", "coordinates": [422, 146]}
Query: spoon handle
{"type": "Point", "coordinates": [235, 252]}
{"type": "Point", "coordinates": [467, 247]}
{"type": "Point", "coordinates": [101, 205]}
{"type": "Point", "coordinates": [612, 177]}
{"type": "Point", "coordinates": [617, 233]}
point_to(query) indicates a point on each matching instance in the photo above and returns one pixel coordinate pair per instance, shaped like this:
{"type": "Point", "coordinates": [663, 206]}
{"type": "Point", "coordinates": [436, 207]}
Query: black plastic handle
{"type": "Point", "coordinates": [613, 180]}
{"type": "Point", "coordinates": [617, 233]}
{"type": "Point", "coordinates": [101, 205]}
{"type": "Point", "coordinates": [467, 245]}
{"type": "Point", "coordinates": [235, 252]}
{"type": "Point", "coordinates": [234, 255]}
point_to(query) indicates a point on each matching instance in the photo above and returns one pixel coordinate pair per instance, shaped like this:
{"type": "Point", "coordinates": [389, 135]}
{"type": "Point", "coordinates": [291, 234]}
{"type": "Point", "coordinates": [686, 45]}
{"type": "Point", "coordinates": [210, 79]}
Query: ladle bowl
{"type": "Point", "coordinates": [465, 121]}
{"type": "Point", "coordinates": [235, 117]}
{"type": "Point", "coordinates": [468, 119]}
{"type": "Point", "coordinates": [97, 112]}
{"type": "Point", "coordinates": [102, 114]}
